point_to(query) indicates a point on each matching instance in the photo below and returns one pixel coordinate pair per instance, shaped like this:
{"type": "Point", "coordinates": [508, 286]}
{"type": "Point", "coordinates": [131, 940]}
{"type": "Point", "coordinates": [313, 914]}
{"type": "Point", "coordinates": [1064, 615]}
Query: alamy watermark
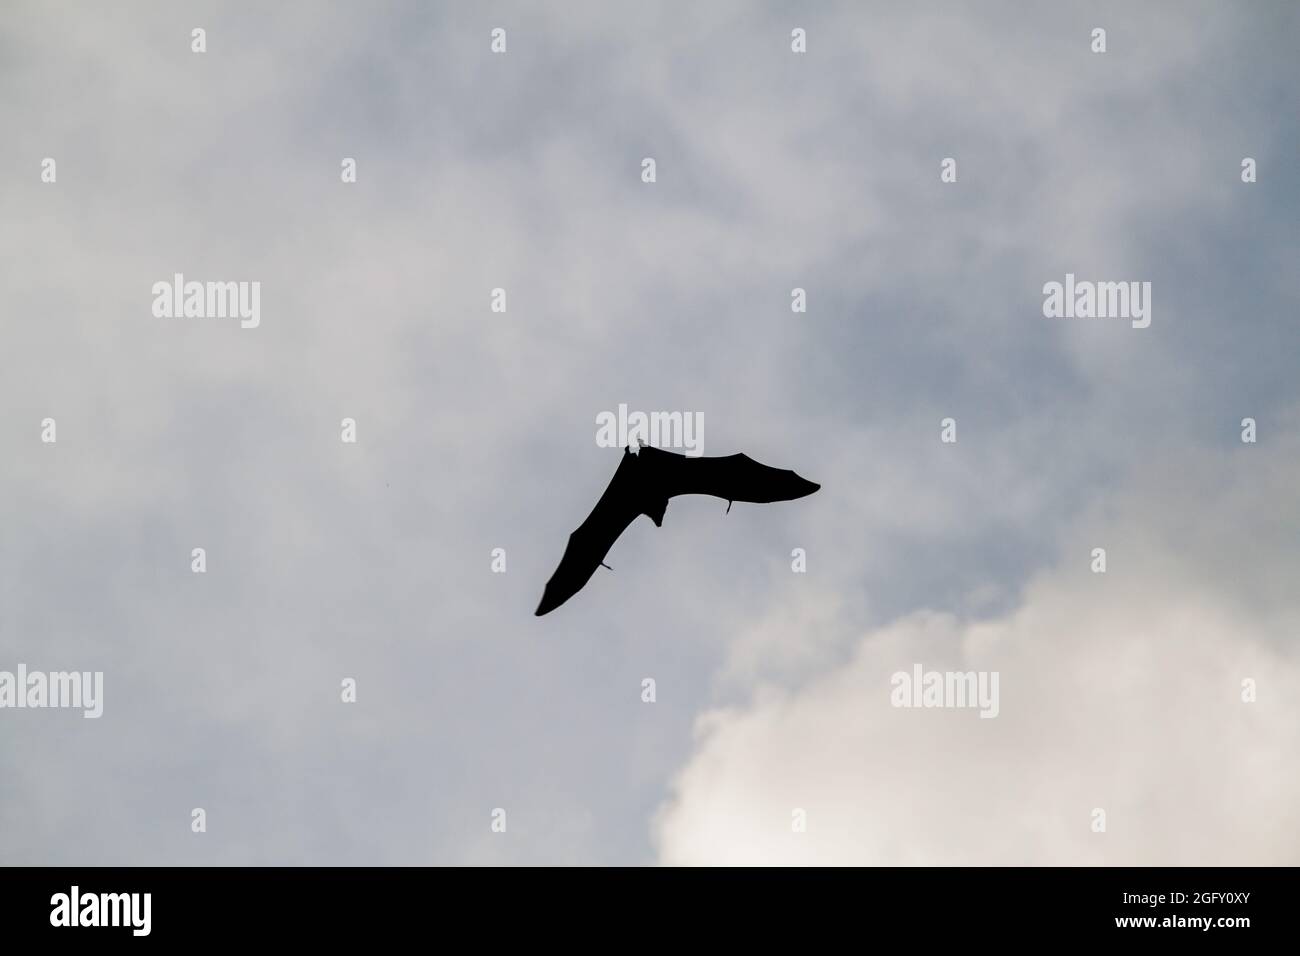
{"type": "Point", "coordinates": [72, 689]}
{"type": "Point", "coordinates": [208, 300]}
{"type": "Point", "coordinates": [1083, 299]}
{"type": "Point", "coordinates": [75, 908]}
{"type": "Point", "coordinates": [949, 689]}
{"type": "Point", "coordinates": [683, 430]}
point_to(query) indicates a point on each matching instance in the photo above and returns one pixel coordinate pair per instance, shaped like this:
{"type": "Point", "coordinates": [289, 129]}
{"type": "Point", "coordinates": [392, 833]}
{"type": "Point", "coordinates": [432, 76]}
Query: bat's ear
{"type": "Point", "coordinates": [627, 449]}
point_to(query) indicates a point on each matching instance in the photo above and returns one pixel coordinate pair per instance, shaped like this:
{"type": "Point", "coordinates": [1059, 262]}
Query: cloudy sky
{"type": "Point", "coordinates": [1119, 691]}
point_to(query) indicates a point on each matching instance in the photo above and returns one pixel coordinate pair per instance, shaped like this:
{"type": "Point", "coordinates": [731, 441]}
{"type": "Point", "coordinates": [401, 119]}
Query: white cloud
{"type": "Point", "coordinates": [1119, 691]}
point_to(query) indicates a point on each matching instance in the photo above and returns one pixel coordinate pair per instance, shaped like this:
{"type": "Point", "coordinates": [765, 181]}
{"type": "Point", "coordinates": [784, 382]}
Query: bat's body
{"type": "Point", "coordinates": [642, 485]}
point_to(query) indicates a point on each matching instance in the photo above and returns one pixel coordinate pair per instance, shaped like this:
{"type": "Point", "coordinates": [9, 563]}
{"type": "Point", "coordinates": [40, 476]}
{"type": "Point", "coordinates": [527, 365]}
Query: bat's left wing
{"type": "Point", "coordinates": [623, 499]}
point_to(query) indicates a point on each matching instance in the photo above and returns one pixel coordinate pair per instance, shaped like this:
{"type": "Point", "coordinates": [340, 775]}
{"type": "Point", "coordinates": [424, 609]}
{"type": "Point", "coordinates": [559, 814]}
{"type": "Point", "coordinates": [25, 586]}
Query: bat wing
{"type": "Point", "coordinates": [731, 478]}
{"type": "Point", "coordinates": [617, 508]}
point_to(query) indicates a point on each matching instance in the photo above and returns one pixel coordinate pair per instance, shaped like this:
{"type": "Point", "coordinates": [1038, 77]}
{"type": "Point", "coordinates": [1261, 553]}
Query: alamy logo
{"type": "Point", "coordinates": [102, 909]}
{"type": "Point", "coordinates": [684, 430]}
{"type": "Point", "coordinates": [950, 689]}
{"type": "Point", "coordinates": [1099, 300]}
{"type": "Point", "coordinates": [208, 300]}
{"type": "Point", "coordinates": [55, 689]}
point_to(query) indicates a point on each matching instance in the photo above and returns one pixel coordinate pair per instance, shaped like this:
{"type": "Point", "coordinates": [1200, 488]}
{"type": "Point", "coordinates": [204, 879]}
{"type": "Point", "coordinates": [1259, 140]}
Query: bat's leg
{"type": "Point", "coordinates": [606, 566]}
{"type": "Point", "coordinates": [728, 511]}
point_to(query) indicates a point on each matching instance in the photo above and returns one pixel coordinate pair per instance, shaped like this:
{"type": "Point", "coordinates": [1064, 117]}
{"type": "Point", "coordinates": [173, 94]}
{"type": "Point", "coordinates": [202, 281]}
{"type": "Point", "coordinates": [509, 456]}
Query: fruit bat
{"type": "Point", "coordinates": [642, 485]}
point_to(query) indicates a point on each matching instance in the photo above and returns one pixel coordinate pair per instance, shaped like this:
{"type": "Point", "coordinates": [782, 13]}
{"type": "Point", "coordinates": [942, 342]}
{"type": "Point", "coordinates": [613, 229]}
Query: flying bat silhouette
{"type": "Point", "coordinates": [642, 485]}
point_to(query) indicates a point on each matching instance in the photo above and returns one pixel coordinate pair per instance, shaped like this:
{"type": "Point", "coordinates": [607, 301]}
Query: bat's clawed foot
{"type": "Point", "coordinates": [728, 511]}
{"type": "Point", "coordinates": [606, 566]}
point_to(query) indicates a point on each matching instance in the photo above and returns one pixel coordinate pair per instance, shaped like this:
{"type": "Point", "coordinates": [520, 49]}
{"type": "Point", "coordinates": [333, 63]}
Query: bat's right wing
{"type": "Point", "coordinates": [730, 477]}
{"type": "Point", "coordinates": [618, 507]}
